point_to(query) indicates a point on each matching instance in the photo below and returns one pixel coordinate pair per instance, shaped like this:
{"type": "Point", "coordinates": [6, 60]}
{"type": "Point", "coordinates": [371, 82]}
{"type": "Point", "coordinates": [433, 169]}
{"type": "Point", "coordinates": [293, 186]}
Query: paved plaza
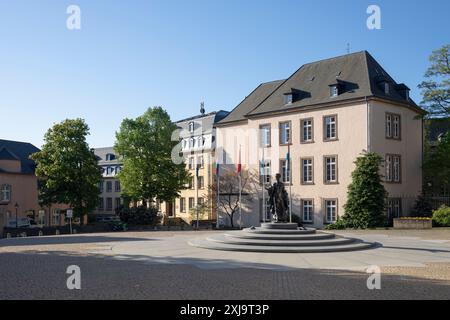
{"type": "Point", "coordinates": [162, 265]}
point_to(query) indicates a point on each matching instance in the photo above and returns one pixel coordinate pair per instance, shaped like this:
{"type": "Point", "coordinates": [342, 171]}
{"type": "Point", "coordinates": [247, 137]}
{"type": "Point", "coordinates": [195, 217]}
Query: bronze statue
{"type": "Point", "coordinates": [278, 201]}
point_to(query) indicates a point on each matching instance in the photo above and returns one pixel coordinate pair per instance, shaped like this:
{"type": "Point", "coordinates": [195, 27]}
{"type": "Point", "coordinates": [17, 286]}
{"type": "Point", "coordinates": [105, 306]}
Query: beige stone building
{"type": "Point", "coordinates": [110, 197]}
{"type": "Point", "coordinates": [327, 113]}
{"type": "Point", "coordinates": [198, 142]}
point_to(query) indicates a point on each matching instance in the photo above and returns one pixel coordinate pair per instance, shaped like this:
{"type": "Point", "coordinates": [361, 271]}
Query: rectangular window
{"type": "Point", "coordinates": [331, 210]}
{"type": "Point", "coordinates": [307, 210]}
{"type": "Point", "coordinates": [191, 203]}
{"type": "Point", "coordinates": [393, 168]}
{"type": "Point", "coordinates": [201, 162]}
{"type": "Point", "coordinates": [118, 203]}
{"type": "Point", "coordinates": [101, 204]}
{"type": "Point", "coordinates": [5, 193]}
{"type": "Point", "coordinates": [285, 171]}
{"type": "Point", "coordinates": [201, 202]}
{"type": "Point", "coordinates": [191, 163]}
{"type": "Point", "coordinates": [334, 91]}
{"type": "Point", "coordinates": [393, 126]}
{"type": "Point", "coordinates": [191, 183]}
{"type": "Point", "coordinates": [183, 204]}
{"type": "Point", "coordinates": [306, 130]}
{"type": "Point", "coordinates": [108, 186]}
{"type": "Point", "coordinates": [285, 133]}
{"type": "Point", "coordinates": [265, 135]}
{"type": "Point", "coordinates": [330, 169]}
{"type": "Point", "coordinates": [201, 182]}
{"type": "Point", "coordinates": [265, 172]}
{"type": "Point", "coordinates": [307, 170]}
{"type": "Point", "coordinates": [101, 185]}
{"type": "Point", "coordinates": [109, 204]}
{"type": "Point", "coordinates": [394, 208]}
{"type": "Point", "coordinates": [117, 186]}
{"type": "Point", "coordinates": [330, 127]}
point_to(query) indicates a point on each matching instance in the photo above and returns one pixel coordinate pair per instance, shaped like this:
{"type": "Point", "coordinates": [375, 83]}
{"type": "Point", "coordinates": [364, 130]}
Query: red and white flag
{"type": "Point", "coordinates": [239, 166]}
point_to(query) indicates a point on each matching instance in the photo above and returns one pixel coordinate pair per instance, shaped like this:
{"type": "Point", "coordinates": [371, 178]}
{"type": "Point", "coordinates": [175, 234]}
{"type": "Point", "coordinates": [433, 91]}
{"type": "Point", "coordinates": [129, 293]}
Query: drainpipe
{"type": "Point", "coordinates": [368, 125]}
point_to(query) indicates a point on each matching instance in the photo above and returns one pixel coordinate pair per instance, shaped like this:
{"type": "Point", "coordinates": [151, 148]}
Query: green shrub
{"type": "Point", "coordinates": [139, 215]}
{"type": "Point", "coordinates": [422, 207]}
{"type": "Point", "coordinates": [339, 225]}
{"type": "Point", "coordinates": [441, 216]}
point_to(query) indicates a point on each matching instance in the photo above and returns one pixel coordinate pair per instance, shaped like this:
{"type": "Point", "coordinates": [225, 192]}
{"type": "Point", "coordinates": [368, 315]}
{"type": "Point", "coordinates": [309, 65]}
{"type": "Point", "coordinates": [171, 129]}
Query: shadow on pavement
{"type": "Point", "coordinates": [34, 241]}
{"type": "Point", "coordinates": [43, 276]}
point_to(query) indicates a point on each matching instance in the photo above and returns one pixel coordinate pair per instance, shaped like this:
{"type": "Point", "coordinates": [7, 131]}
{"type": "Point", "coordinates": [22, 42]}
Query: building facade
{"type": "Point", "coordinates": [19, 188]}
{"type": "Point", "coordinates": [198, 143]}
{"type": "Point", "coordinates": [110, 190]}
{"type": "Point", "coordinates": [325, 115]}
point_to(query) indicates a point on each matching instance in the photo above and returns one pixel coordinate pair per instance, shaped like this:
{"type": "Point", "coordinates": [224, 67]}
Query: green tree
{"type": "Point", "coordinates": [437, 162]}
{"type": "Point", "coordinates": [67, 169]}
{"type": "Point", "coordinates": [436, 89]}
{"type": "Point", "coordinates": [366, 194]}
{"type": "Point", "coordinates": [149, 169]}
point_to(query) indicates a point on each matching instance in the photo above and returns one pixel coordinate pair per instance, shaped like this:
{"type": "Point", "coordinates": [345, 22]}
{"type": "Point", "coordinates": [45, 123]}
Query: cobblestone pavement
{"type": "Point", "coordinates": [161, 265]}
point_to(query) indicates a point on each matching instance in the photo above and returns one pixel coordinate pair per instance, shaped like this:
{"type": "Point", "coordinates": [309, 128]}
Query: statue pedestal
{"type": "Point", "coordinates": [280, 225]}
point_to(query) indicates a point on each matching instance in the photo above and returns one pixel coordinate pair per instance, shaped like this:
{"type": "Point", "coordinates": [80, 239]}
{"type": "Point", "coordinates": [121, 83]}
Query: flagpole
{"type": "Point", "coordinates": [290, 183]}
{"type": "Point", "coordinates": [196, 184]}
{"type": "Point", "coordinates": [240, 189]}
{"type": "Point", "coordinates": [218, 193]}
{"type": "Point", "coordinates": [263, 165]}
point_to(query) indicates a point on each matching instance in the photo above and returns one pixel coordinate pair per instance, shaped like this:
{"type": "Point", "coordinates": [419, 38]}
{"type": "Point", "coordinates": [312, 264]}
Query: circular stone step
{"type": "Point", "coordinates": [280, 231]}
{"type": "Point", "coordinates": [280, 237]}
{"type": "Point", "coordinates": [283, 237]}
{"type": "Point", "coordinates": [279, 225]}
{"type": "Point", "coordinates": [356, 245]}
{"type": "Point", "coordinates": [255, 242]}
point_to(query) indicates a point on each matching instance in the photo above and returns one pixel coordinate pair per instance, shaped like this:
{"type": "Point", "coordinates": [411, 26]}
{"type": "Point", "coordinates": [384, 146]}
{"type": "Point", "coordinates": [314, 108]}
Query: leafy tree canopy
{"type": "Point", "coordinates": [436, 89]}
{"type": "Point", "coordinates": [146, 147]}
{"type": "Point", "coordinates": [67, 168]}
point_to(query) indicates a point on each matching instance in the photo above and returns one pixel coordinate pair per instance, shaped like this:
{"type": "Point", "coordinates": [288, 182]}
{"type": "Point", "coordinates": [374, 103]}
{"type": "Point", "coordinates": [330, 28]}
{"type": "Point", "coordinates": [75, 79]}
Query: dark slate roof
{"type": "Point", "coordinates": [21, 151]}
{"type": "Point", "coordinates": [5, 154]}
{"type": "Point", "coordinates": [203, 121]}
{"type": "Point", "coordinates": [251, 101]}
{"type": "Point", "coordinates": [358, 75]}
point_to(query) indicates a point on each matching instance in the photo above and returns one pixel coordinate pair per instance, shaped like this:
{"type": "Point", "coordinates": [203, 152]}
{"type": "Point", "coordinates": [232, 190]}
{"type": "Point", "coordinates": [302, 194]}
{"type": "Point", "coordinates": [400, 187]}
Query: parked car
{"type": "Point", "coordinates": [107, 219]}
{"type": "Point", "coordinates": [22, 223]}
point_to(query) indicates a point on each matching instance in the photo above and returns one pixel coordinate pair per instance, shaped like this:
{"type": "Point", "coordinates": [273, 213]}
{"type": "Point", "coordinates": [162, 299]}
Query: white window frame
{"type": "Point", "coordinates": [330, 123]}
{"type": "Point", "coordinates": [285, 131]}
{"type": "Point", "coordinates": [307, 215]}
{"type": "Point", "coordinates": [331, 169]}
{"type": "Point", "coordinates": [265, 132]}
{"type": "Point", "coordinates": [6, 193]}
{"type": "Point", "coordinates": [330, 214]}
{"type": "Point", "coordinates": [308, 175]}
{"type": "Point", "coordinates": [285, 174]}
{"type": "Point", "coordinates": [307, 130]}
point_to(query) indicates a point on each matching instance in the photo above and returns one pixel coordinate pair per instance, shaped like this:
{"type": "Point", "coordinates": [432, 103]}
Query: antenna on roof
{"type": "Point", "coordinates": [348, 48]}
{"type": "Point", "coordinates": [202, 108]}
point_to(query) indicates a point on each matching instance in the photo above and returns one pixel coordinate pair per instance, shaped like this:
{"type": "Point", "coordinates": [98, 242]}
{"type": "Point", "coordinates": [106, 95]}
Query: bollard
{"type": "Point", "coordinates": [8, 235]}
{"type": "Point", "coordinates": [57, 232]}
{"type": "Point", "coordinates": [40, 234]}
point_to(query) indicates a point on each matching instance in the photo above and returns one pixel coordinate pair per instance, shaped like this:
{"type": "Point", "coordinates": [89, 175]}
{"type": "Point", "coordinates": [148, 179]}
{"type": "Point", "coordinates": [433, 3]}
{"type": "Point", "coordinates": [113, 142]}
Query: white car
{"type": "Point", "coordinates": [21, 223]}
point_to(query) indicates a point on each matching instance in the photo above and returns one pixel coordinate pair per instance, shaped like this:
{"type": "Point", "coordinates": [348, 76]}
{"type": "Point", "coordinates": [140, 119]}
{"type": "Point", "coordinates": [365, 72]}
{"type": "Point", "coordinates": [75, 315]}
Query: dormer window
{"type": "Point", "coordinates": [334, 90]}
{"type": "Point", "coordinates": [386, 87]}
{"type": "Point", "coordinates": [403, 90]}
{"type": "Point", "coordinates": [191, 127]}
{"type": "Point", "coordinates": [288, 98]}
{"type": "Point", "coordinates": [110, 157]}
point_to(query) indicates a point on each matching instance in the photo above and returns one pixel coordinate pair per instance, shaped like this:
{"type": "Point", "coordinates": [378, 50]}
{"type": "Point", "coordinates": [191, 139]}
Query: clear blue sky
{"type": "Point", "coordinates": [130, 55]}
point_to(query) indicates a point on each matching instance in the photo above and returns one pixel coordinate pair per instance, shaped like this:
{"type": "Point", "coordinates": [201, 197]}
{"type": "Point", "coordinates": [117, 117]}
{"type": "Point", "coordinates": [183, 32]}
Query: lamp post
{"type": "Point", "coordinates": [16, 206]}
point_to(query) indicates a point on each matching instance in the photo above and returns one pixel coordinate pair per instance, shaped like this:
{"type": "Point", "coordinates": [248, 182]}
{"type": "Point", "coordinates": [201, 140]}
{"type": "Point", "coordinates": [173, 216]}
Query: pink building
{"type": "Point", "coordinates": [19, 187]}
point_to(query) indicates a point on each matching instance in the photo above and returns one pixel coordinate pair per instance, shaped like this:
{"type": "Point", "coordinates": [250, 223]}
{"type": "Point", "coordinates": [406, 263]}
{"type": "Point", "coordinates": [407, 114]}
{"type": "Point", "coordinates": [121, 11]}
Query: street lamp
{"type": "Point", "coordinates": [16, 206]}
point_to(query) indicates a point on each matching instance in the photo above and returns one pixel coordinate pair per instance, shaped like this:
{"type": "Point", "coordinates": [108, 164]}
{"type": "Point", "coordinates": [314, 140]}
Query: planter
{"type": "Point", "coordinates": [412, 223]}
